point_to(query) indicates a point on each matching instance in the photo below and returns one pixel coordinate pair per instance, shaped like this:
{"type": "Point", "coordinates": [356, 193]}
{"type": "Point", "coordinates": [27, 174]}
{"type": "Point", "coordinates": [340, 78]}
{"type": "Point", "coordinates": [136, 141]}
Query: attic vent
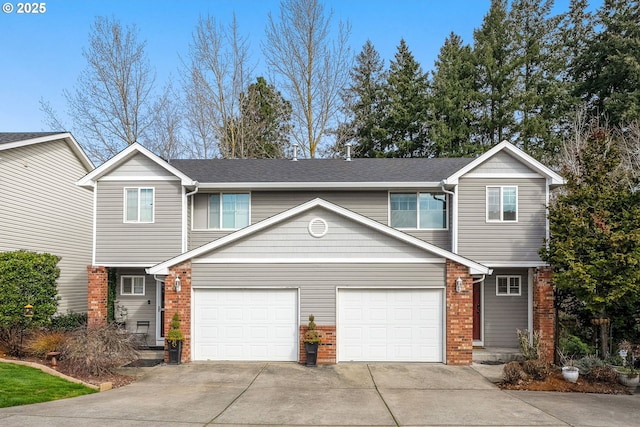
{"type": "Point", "coordinates": [318, 227]}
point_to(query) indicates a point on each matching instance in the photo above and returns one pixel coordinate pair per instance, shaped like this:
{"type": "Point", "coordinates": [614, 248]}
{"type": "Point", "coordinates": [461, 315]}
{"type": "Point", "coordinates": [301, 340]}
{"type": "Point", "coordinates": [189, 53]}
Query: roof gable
{"type": "Point", "coordinates": [247, 232]}
{"type": "Point", "coordinates": [499, 151]}
{"type": "Point", "coordinates": [11, 140]}
{"type": "Point", "coordinates": [129, 153]}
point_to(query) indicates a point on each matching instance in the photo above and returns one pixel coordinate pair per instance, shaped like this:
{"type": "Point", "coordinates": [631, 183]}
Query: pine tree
{"type": "Point", "coordinates": [535, 50]}
{"type": "Point", "coordinates": [406, 112]}
{"type": "Point", "coordinates": [495, 82]}
{"type": "Point", "coordinates": [363, 104]}
{"type": "Point", "coordinates": [608, 71]}
{"type": "Point", "coordinates": [450, 98]}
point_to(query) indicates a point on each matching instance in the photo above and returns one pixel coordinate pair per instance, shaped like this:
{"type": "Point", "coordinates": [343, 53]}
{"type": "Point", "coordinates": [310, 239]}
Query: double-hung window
{"type": "Point", "coordinates": [132, 285]}
{"type": "Point", "coordinates": [138, 205]}
{"type": "Point", "coordinates": [418, 210]}
{"type": "Point", "coordinates": [508, 286]}
{"type": "Point", "coordinates": [502, 204]}
{"type": "Point", "coordinates": [228, 210]}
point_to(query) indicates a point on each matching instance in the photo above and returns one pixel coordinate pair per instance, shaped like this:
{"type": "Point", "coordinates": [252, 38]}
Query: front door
{"type": "Point", "coordinates": [160, 313]}
{"type": "Point", "coordinates": [477, 314]}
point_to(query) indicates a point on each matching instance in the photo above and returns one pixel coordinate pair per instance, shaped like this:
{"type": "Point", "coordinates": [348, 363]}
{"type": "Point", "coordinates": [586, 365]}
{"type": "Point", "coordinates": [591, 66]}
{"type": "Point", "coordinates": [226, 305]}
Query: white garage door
{"type": "Point", "coordinates": [384, 325]}
{"type": "Point", "coordinates": [245, 324]}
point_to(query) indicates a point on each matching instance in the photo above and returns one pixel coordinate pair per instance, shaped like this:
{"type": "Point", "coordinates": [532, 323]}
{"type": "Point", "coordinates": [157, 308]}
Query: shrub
{"type": "Point", "coordinates": [603, 374]}
{"type": "Point", "coordinates": [574, 346]}
{"type": "Point", "coordinates": [175, 334]}
{"type": "Point", "coordinates": [43, 342]}
{"type": "Point", "coordinates": [530, 349]}
{"type": "Point", "coordinates": [513, 373]}
{"type": "Point", "coordinates": [68, 322]}
{"type": "Point", "coordinates": [587, 363]}
{"type": "Point", "coordinates": [98, 350]}
{"type": "Point", "coordinates": [538, 369]}
{"type": "Point", "coordinates": [312, 335]}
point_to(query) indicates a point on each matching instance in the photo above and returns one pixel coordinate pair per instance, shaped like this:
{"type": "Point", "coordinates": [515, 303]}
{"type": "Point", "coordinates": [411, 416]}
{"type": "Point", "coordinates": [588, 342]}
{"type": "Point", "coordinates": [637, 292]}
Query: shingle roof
{"type": "Point", "coordinates": [320, 170]}
{"type": "Point", "coordinates": [8, 137]}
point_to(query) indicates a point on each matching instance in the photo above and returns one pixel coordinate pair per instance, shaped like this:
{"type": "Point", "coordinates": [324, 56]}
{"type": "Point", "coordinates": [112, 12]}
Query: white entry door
{"type": "Point", "coordinates": [245, 324]}
{"type": "Point", "coordinates": [390, 325]}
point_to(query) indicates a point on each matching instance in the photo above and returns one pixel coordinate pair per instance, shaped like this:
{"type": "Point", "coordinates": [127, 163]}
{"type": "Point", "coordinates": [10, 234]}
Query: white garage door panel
{"type": "Point", "coordinates": [403, 325]}
{"type": "Point", "coordinates": [245, 324]}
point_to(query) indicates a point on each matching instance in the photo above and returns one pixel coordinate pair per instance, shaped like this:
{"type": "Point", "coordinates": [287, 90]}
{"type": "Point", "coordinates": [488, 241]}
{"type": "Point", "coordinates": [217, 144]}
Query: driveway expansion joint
{"type": "Point", "coordinates": [380, 395]}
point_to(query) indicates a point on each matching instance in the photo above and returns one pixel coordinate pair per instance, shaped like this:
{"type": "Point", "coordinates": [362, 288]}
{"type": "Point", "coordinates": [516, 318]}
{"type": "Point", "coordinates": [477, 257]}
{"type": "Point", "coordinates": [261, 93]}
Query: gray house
{"type": "Point", "coordinates": [397, 259]}
{"type": "Point", "coordinates": [43, 210]}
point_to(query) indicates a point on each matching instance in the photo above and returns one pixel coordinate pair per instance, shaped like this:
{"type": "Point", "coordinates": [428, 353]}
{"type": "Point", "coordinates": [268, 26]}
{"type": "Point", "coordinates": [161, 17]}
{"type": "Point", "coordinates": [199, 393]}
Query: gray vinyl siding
{"type": "Point", "coordinates": [139, 307]}
{"type": "Point", "coordinates": [265, 204]}
{"type": "Point", "coordinates": [503, 163]}
{"type": "Point", "coordinates": [139, 166]}
{"type": "Point", "coordinates": [504, 315]}
{"type": "Point", "coordinates": [118, 242]}
{"type": "Point", "coordinates": [42, 210]}
{"type": "Point", "coordinates": [318, 282]}
{"type": "Point", "coordinates": [501, 241]}
{"type": "Point", "coordinates": [344, 239]}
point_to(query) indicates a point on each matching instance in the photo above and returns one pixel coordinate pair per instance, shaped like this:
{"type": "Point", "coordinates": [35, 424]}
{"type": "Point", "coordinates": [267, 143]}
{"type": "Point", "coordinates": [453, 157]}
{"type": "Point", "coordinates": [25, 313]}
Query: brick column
{"type": "Point", "coordinates": [179, 302]}
{"type": "Point", "coordinates": [97, 295]}
{"type": "Point", "coordinates": [459, 306]}
{"type": "Point", "coordinates": [544, 316]}
{"type": "Point", "coordinates": [326, 349]}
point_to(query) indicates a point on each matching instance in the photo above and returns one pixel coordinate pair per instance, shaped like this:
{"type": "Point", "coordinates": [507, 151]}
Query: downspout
{"type": "Point", "coordinates": [454, 216]}
{"type": "Point", "coordinates": [184, 213]}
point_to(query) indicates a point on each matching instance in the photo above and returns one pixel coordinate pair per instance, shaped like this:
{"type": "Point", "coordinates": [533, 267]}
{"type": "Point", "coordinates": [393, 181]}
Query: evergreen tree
{"type": "Point", "coordinates": [450, 98]}
{"type": "Point", "coordinates": [406, 112]}
{"type": "Point", "coordinates": [536, 61]}
{"type": "Point", "coordinates": [363, 100]}
{"type": "Point", "coordinates": [495, 82]}
{"type": "Point", "coordinates": [265, 121]}
{"type": "Point", "coordinates": [608, 71]}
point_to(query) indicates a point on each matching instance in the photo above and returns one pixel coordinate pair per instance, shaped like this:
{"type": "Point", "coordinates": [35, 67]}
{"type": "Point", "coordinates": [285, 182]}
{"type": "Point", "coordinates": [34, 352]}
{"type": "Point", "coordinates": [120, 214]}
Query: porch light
{"type": "Point", "coordinates": [28, 311]}
{"type": "Point", "coordinates": [177, 285]}
{"type": "Point", "coordinates": [458, 285]}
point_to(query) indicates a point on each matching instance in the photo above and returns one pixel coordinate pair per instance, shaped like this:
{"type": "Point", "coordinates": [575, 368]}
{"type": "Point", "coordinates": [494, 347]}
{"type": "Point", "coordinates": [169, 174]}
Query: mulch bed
{"type": "Point", "coordinates": [555, 382]}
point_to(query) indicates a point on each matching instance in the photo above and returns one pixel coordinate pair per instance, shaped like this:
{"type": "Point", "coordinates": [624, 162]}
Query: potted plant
{"type": "Point", "coordinates": [311, 342]}
{"type": "Point", "coordinates": [569, 372]}
{"type": "Point", "coordinates": [628, 374]}
{"type": "Point", "coordinates": [174, 341]}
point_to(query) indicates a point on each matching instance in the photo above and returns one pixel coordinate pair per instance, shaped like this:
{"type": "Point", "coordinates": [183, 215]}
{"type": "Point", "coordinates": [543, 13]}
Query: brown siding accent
{"type": "Point", "coordinates": [544, 311]}
{"type": "Point", "coordinates": [179, 302]}
{"type": "Point", "coordinates": [459, 324]}
{"type": "Point", "coordinates": [98, 283]}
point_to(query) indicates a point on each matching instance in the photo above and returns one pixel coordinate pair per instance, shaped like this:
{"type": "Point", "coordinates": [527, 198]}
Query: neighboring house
{"type": "Point", "coordinates": [398, 259]}
{"type": "Point", "coordinates": [43, 210]}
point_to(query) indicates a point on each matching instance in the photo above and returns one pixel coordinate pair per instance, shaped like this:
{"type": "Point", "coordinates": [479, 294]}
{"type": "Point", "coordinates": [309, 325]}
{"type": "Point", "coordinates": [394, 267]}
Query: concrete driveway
{"type": "Point", "coordinates": [358, 394]}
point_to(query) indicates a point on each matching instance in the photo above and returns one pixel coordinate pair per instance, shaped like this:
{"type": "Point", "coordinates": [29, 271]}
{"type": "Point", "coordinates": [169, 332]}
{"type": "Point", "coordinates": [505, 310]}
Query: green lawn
{"type": "Point", "coordinates": [22, 385]}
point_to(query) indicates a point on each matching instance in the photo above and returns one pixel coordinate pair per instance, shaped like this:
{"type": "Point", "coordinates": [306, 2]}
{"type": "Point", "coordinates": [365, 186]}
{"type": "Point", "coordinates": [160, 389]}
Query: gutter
{"type": "Point", "coordinates": [454, 216]}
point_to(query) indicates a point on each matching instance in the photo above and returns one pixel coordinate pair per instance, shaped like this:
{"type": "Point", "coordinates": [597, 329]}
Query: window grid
{"type": "Point", "coordinates": [228, 211]}
{"type": "Point", "coordinates": [508, 286]}
{"type": "Point", "coordinates": [132, 285]}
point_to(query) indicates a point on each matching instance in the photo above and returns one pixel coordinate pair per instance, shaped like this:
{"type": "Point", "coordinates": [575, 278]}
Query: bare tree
{"type": "Point", "coordinates": [215, 76]}
{"type": "Point", "coordinates": [111, 103]}
{"type": "Point", "coordinates": [313, 68]}
{"type": "Point", "coordinates": [164, 134]}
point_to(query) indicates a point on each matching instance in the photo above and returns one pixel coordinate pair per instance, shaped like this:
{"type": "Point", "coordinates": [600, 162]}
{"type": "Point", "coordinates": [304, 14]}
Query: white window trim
{"type": "Point", "coordinates": [132, 293]}
{"type": "Point", "coordinates": [153, 206]}
{"type": "Point", "coordinates": [417, 194]}
{"type": "Point", "coordinates": [509, 293]}
{"type": "Point", "coordinates": [501, 187]}
{"type": "Point", "coordinates": [221, 193]}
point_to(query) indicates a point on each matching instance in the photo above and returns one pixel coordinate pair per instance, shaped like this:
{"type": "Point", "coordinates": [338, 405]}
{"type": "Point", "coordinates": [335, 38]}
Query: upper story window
{"type": "Point", "coordinates": [418, 210]}
{"type": "Point", "coordinates": [228, 210]}
{"type": "Point", "coordinates": [132, 285]}
{"type": "Point", "coordinates": [508, 286]}
{"type": "Point", "coordinates": [138, 205]}
{"type": "Point", "coordinates": [502, 203]}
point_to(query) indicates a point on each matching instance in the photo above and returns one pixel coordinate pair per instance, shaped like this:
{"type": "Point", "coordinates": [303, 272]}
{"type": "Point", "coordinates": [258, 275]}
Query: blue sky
{"type": "Point", "coordinates": [41, 55]}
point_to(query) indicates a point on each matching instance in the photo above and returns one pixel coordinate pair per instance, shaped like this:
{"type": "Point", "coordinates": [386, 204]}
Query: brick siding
{"type": "Point", "coordinates": [459, 314]}
{"type": "Point", "coordinates": [326, 349]}
{"type": "Point", "coordinates": [544, 311]}
{"type": "Point", "coordinates": [97, 294]}
{"type": "Point", "coordinates": [179, 302]}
